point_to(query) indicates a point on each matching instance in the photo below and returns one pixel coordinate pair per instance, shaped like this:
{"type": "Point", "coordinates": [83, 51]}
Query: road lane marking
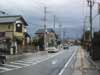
{"type": "Point", "coordinates": [54, 62]}
{"type": "Point", "coordinates": [34, 63]}
{"type": "Point", "coordinates": [46, 58]}
{"type": "Point", "coordinates": [30, 61]}
{"type": "Point", "coordinates": [8, 65]}
{"type": "Point", "coordinates": [26, 62]}
{"type": "Point", "coordinates": [51, 56]}
{"type": "Point", "coordinates": [66, 65]}
{"type": "Point", "coordinates": [5, 69]}
{"type": "Point", "coordinates": [19, 64]}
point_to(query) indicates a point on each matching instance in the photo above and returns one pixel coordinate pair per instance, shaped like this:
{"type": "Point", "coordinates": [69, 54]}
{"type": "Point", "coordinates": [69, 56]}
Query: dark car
{"type": "Point", "coordinates": [2, 51]}
{"type": "Point", "coordinates": [2, 59]}
{"type": "Point", "coordinates": [65, 47]}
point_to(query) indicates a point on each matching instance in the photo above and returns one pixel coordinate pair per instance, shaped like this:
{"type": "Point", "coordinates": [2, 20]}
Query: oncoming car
{"type": "Point", "coordinates": [65, 47]}
{"type": "Point", "coordinates": [52, 49]}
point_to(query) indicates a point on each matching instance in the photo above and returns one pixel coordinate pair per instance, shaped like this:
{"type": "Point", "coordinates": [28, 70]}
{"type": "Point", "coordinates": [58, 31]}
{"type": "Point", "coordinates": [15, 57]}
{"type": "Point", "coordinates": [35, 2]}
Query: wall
{"type": "Point", "coordinates": [7, 28]}
{"type": "Point", "coordinates": [10, 29]}
{"type": "Point", "coordinates": [51, 38]}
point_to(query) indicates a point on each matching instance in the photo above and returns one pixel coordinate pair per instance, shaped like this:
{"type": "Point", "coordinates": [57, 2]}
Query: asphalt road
{"type": "Point", "coordinates": [51, 64]}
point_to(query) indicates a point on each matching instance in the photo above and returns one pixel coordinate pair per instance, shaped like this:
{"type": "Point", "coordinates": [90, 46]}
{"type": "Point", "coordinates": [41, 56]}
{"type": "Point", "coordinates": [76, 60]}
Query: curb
{"type": "Point", "coordinates": [89, 58]}
{"type": "Point", "coordinates": [97, 67]}
{"type": "Point", "coordinates": [94, 63]}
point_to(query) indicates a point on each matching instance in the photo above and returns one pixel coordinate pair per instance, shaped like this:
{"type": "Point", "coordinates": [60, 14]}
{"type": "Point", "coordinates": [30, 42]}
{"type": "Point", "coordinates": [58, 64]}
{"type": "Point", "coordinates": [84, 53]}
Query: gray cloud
{"type": "Point", "coordinates": [68, 12]}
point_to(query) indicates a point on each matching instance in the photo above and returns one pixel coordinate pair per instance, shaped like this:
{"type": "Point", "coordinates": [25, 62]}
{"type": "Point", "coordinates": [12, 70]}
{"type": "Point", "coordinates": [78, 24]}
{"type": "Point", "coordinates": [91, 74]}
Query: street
{"type": "Point", "coordinates": [50, 37]}
{"type": "Point", "coordinates": [71, 61]}
{"type": "Point", "coordinates": [49, 64]}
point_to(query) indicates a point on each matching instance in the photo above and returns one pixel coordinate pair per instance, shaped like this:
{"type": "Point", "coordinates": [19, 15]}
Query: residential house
{"type": "Point", "coordinates": [51, 37]}
{"type": "Point", "coordinates": [13, 28]}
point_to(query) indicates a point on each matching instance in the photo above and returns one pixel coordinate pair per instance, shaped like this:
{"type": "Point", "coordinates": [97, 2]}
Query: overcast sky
{"type": "Point", "coordinates": [70, 13]}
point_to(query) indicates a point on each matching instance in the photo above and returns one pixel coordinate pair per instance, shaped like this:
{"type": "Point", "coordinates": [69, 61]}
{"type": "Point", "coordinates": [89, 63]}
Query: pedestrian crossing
{"type": "Point", "coordinates": [11, 66]}
{"type": "Point", "coordinates": [4, 68]}
{"type": "Point", "coordinates": [21, 63]}
{"type": "Point", "coordinates": [25, 62]}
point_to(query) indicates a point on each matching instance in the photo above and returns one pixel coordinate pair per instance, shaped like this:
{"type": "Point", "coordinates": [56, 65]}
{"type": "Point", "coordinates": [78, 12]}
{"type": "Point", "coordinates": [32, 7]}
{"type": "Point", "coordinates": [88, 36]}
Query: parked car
{"type": "Point", "coordinates": [3, 46]}
{"type": "Point", "coordinates": [2, 51]}
{"type": "Point", "coordinates": [2, 59]}
{"type": "Point", "coordinates": [52, 49]}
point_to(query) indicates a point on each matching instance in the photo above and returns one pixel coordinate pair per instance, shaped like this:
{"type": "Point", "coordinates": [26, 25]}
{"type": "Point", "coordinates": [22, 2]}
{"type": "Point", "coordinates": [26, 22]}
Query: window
{"type": "Point", "coordinates": [18, 27]}
{"type": "Point", "coordinates": [2, 34]}
{"type": "Point", "coordinates": [8, 26]}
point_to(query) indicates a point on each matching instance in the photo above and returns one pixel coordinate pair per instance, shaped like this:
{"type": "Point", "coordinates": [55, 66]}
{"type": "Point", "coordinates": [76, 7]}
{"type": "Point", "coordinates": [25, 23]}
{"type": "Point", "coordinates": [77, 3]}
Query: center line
{"type": "Point", "coordinates": [19, 63]}
{"type": "Point", "coordinates": [66, 65]}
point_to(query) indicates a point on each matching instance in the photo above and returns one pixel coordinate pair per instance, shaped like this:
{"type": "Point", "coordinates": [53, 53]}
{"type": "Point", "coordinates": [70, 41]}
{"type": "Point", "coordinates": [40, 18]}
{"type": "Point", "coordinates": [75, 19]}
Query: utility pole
{"type": "Point", "coordinates": [99, 12]}
{"type": "Point", "coordinates": [91, 4]}
{"type": "Point", "coordinates": [54, 18]}
{"type": "Point", "coordinates": [45, 28]}
{"type": "Point", "coordinates": [64, 34]}
{"type": "Point", "coordinates": [84, 30]}
{"type": "Point", "coordinates": [84, 26]}
{"type": "Point", "coordinates": [60, 32]}
{"type": "Point", "coordinates": [99, 21]}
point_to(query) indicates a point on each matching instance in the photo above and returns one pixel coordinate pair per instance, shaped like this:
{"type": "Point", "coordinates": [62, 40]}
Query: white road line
{"type": "Point", "coordinates": [8, 65]}
{"type": "Point", "coordinates": [5, 69]}
{"type": "Point", "coordinates": [31, 61]}
{"type": "Point", "coordinates": [66, 65]}
{"type": "Point", "coordinates": [26, 62]}
{"type": "Point", "coordinates": [51, 56]}
{"type": "Point", "coordinates": [46, 58]}
{"type": "Point", "coordinates": [19, 64]}
{"type": "Point", "coordinates": [54, 62]}
{"type": "Point", "coordinates": [25, 65]}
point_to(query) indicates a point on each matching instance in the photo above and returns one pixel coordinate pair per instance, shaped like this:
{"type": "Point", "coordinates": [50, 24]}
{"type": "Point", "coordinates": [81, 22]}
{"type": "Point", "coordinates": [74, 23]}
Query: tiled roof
{"type": "Point", "coordinates": [11, 19]}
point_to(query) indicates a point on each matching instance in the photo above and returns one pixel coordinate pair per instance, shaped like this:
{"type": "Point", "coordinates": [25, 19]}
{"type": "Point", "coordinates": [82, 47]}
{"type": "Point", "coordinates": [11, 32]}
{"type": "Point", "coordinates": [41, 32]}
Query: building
{"type": "Point", "coordinates": [51, 37]}
{"type": "Point", "coordinates": [13, 28]}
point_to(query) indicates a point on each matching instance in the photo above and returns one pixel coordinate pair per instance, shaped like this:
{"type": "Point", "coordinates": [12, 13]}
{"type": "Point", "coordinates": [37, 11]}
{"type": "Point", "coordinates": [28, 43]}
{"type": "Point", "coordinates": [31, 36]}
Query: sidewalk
{"type": "Point", "coordinates": [83, 65]}
{"type": "Point", "coordinates": [24, 55]}
{"type": "Point", "coordinates": [96, 62]}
